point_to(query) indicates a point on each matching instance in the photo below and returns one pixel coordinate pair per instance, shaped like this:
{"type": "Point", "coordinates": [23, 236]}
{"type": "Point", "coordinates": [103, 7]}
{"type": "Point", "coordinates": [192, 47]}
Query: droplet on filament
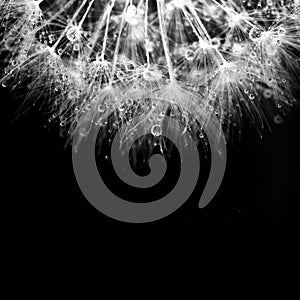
{"type": "Point", "coordinates": [156, 130]}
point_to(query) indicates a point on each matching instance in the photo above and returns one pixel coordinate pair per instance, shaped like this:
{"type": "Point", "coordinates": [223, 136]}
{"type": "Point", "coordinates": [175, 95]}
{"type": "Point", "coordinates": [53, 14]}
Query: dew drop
{"type": "Point", "coordinates": [73, 34]}
{"type": "Point", "coordinates": [189, 54]}
{"type": "Point", "coordinates": [129, 101]}
{"type": "Point", "coordinates": [278, 119]}
{"type": "Point", "coordinates": [255, 34]}
{"type": "Point", "coordinates": [101, 108]}
{"type": "Point", "coordinates": [156, 130]}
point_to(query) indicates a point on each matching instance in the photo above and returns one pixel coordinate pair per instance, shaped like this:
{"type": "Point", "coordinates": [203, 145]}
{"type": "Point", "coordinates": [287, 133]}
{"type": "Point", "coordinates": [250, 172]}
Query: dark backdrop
{"type": "Point", "coordinates": [260, 187]}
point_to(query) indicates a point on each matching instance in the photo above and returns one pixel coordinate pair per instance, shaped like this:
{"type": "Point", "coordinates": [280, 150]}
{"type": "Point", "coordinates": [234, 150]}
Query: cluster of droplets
{"type": "Point", "coordinates": [182, 58]}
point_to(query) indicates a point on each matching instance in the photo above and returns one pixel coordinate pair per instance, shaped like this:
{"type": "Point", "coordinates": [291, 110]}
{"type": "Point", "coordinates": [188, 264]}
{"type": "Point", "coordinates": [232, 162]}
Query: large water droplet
{"type": "Point", "coordinates": [156, 130]}
{"type": "Point", "coordinates": [255, 34]}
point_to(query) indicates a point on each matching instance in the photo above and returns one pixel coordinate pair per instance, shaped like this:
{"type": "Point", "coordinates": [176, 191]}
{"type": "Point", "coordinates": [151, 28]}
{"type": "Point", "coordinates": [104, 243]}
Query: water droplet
{"type": "Point", "coordinates": [189, 54]}
{"type": "Point", "coordinates": [156, 130]}
{"type": "Point", "coordinates": [73, 34]}
{"type": "Point", "coordinates": [278, 119]}
{"type": "Point", "coordinates": [255, 34]}
{"type": "Point", "coordinates": [101, 108]}
{"type": "Point", "coordinates": [129, 101]}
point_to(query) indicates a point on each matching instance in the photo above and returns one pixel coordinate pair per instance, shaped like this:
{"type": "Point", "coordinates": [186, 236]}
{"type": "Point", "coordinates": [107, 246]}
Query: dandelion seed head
{"type": "Point", "coordinates": [91, 60]}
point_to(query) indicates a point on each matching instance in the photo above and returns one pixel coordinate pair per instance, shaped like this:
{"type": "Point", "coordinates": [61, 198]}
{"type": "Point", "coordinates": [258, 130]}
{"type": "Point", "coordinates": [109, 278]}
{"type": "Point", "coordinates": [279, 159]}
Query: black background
{"type": "Point", "coordinates": [260, 187]}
